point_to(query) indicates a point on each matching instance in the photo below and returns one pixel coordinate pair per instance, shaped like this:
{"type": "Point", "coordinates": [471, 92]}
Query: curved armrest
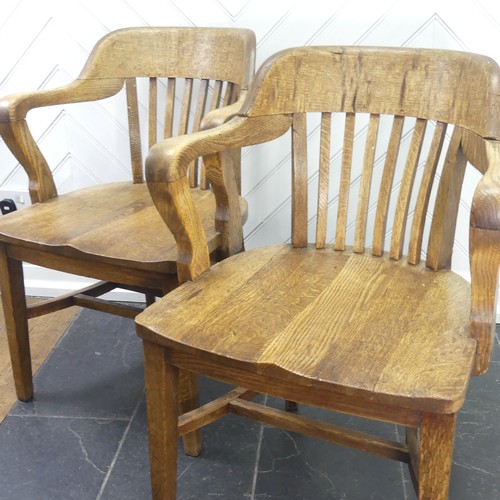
{"type": "Point", "coordinates": [166, 168]}
{"type": "Point", "coordinates": [485, 210]}
{"type": "Point", "coordinates": [216, 118]}
{"type": "Point", "coordinates": [485, 256]}
{"type": "Point", "coordinates": [14, 107]}
{"type": "Point", "coordinates": [220, 116]}
{"type": "Point", "coordinates": [16, 134]}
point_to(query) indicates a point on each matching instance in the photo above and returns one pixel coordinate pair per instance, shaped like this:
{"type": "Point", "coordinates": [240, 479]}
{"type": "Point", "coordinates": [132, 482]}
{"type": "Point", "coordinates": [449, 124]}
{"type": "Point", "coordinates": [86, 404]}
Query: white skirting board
{"type": "Point", "coordinates": [40, 282]}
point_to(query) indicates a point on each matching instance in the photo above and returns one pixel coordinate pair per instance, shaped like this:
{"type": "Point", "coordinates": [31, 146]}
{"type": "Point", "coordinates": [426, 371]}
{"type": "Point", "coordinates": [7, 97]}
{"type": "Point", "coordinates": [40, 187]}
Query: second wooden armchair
{"type": "Point", "coordinates": [391, 335]}
{"type": "Point", "coordinates": [112, 232]}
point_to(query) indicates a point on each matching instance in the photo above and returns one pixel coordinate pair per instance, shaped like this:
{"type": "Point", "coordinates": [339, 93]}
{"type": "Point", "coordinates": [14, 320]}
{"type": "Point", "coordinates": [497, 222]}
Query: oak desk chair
{"type": "Point", "coordinates": [365, 331]}
{"type": "Point", "coordinates": [112, 232]}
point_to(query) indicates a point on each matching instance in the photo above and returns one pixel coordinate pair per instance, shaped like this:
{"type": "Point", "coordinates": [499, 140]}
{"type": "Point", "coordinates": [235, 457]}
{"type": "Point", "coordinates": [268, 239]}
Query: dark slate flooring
{"type": "Point", "coordinates": [84, 437]}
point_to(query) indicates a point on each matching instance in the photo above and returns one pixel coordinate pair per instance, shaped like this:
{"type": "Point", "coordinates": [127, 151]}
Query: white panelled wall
{"type": "Point", "coordinates": [45, 44]}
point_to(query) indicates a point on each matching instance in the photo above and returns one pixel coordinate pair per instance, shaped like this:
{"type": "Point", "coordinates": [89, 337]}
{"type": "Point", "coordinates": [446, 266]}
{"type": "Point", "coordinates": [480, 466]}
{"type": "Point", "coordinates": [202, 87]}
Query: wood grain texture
{"type": "Point", "coordinates": [444, 219]}
{"type": "Point", "coordinates": [211, 411]}
{"type": "Point", "coordinates": [345, 181]}
{"type": "Point", "coordinates": [168, 129]}
{"type": "Point", "coordinates": [185, 108]}
{"type": "Point", "coordinates": [485, 254]}
{"type": "Point", "coordinates": [302, 317]}
{"type": "Point", "coordinates": [323, 180]}
{"type": "Point", "coordinates": [398, 81]}
{"type": "Point", "coordinates": [386, 185]}
{"type": "Point", "coordinates": [16, 323]}
{"type": "Point", "coordinates": [366, 182]}
{"type": "Point", "coordinates": [162, 386]}
{"type": "Point", "coordinates": [320, 430]}
{"type": "Point", "coordinates": [299, 181]}
{"type": "Point", "coordinates": [422, 204]}
{"type": "Point", "coordinates": [134, 130]}
{"type": "Point", "coordinates": [114, 232]}
{"type": "Point", "coordinates": [201, 105]}
{"type": "Point", "coordinates": [436, 453]}
{"type": "Point", "coordinates": [405, 191]}
{"type": "Point", "coordinates": [365, 333]}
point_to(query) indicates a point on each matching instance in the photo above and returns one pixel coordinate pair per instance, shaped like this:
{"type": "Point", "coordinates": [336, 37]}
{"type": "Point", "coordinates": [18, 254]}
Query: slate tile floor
{"type": "Point", "coordinates": [84, 437]}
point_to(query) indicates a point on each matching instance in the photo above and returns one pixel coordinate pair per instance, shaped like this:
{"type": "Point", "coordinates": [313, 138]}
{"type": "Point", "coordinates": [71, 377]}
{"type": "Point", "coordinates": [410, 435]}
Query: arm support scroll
{"type": "Point", "coordinates": [16, 134]}
{"type": "Point", "coordinates": [166, 167]}
{"type": "Point", "coordinates": [485, 257]}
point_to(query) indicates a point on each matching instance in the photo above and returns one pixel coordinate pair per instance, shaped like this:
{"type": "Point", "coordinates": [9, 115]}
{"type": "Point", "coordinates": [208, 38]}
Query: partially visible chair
{"type": "Point", "coordinates": [112, 232]}
{"type": "Point", "coordinates": [381, 334]}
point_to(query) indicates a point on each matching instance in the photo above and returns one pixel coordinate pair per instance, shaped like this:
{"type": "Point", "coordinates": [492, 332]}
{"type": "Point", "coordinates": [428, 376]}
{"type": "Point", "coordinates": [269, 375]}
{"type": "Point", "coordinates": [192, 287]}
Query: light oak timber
{"type": "Point", "coordinates": [114, 232]}
{"type": "Point", "coordinates": [309, 427]}
{"type": "Point", "coordinates": [211, 411]}
{"type": "Point", "coordinates": [374, 334]}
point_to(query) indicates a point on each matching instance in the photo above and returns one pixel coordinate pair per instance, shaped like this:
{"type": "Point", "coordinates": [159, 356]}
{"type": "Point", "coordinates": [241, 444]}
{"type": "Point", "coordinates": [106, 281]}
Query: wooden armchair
{"type": "Point", "coordinates": [113, 232]}
{"type": "Point", "coordinates": [381, 334]}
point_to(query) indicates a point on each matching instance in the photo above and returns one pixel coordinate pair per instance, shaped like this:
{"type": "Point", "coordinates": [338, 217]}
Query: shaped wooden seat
{"type": "Point", "coordinates": [392, 334]}
{"type": "Point", "coordinates": [113, 232]}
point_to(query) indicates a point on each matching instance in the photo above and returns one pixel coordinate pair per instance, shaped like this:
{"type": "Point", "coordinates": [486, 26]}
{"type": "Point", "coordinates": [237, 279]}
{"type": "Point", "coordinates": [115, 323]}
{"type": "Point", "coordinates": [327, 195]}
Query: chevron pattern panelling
{"type": "Point", "coordinates": [44, 44]}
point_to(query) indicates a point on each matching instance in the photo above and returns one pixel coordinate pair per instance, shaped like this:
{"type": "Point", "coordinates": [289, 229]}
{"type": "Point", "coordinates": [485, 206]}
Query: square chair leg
{"type": "Point", "coordinates": [437, 434]}
{"type": "Point", "coordinates": [162, 388]}
{"type": "Point", "coordinates": [16, 323]}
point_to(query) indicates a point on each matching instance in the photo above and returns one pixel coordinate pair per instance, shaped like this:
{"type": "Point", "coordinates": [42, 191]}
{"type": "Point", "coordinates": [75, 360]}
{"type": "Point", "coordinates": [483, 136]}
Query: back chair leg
{"type": "Point", "coordinates": [162, 383]}
{"type": "Point", "coordinates": [16, 323]}
{"type": "Point", "coordinates": [150, 299]}
{"type": "Point", "coordinates": [189, 400]}
{"type": "Point", "coordinates": [437, 434]}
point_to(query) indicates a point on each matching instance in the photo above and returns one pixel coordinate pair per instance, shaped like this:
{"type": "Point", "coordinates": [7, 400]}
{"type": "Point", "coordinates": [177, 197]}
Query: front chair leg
{"type": "Point", "coordinates": [16, 323]}
{"type": "Point", "coordinates": [189, 400]}
{"type": "Point", "coordinates": [437, 434]}
{"type": "Point", "coordinates": [162, 382]}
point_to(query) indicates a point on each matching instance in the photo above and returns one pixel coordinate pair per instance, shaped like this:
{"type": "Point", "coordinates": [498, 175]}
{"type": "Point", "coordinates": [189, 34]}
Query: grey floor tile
{"type": "Point", "coordinates": [293, 466]}
{"type": "Point", "coordinates": [85, 436]}
{"type": "Point", "coordinates": [224, 470]}
{"type": "Point", "coordinates": [50, 458]}
{"type": "Point", "coordinates": [96, 371]}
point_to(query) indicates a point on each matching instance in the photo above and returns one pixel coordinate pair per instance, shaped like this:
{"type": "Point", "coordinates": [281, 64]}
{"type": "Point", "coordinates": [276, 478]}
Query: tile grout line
{"type": "Point", "coordinates": [257, 457]}
{"type": "Point", "coordinates": [72, 417]}
{"type": "Point", "coordinates": [118, 450]}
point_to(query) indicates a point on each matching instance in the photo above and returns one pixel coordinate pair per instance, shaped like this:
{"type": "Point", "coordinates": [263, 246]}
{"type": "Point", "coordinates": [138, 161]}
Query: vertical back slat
{"type": "Point", "coordinates": [134, 130]}
{"type": "Point", "coordinates": [229, 94]}
{"type": "Point", "coordinates": [345, 179]}
{"type": "Point", "coordinates": [405, 190]}
{"type": "Point", "coordinates": [420, 213]}
{"type": "Point", "coordinates": [185, 106]}
{"type": "Point", "coordinates": [323, 179]}
{"type": "Point", "coordinates": [201, 104]}
{"type": "Point", "coordinates": [214, 104]}
{"type": "Point", "coordinates": [444, 219]}
{"type": "Point", "coordinates": [216, 96]}
{"type": "Point", "coordinates": [169, 109]}
{"type": "Point", "coordinates": [153, 111]}
{"type": "Point", "coordinates": [366, 182]}
{"type": "Point", "coordinates": [386, 186]}
{"type": "Point", "coordinates": [299, 181]}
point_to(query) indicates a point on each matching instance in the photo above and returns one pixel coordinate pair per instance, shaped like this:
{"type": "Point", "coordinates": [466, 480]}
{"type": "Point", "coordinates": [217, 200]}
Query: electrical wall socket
{"type": "Point", "coordinates": [21, 197]}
